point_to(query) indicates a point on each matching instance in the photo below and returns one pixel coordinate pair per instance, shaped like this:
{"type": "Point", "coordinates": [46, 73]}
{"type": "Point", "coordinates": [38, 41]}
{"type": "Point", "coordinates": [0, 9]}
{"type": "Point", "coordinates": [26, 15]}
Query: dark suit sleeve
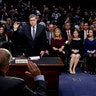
{"type": "Point", "coordinates": [85, 45]}
{"type": "Point", "coordinates": [44, 39]}
{"type": "Point", "coordinates": [14, 36]}
{"type": "Point", "coordinates": [17, 87]}
{"type": "Point", "coordinates": [40, 89]}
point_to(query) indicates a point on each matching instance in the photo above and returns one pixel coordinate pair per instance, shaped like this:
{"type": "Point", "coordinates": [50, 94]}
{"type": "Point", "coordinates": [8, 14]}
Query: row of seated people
{"type": "Point", "coordinates": [75, 48]}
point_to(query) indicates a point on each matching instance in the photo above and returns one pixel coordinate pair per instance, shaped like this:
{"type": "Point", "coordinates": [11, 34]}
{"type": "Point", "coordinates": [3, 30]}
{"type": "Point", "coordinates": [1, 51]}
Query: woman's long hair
{"type": "Point", "coordinates": [94, 33]}
{"type": "Point", "coordinates": [69, 41]}
{"type": "Point", "coordinates": [60, 36]}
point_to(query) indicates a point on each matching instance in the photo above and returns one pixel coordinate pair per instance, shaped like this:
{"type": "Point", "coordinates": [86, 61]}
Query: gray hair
{"type": "Point", "coordinates": [42, 23]}
{"type": "Point", "coordinates": [5, 56]}
{"type": "Point", "coordinates": [32, 15]}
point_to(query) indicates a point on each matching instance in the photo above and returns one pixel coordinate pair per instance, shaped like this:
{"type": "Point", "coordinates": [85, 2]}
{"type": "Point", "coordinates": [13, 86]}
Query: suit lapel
{"type": "Point", "coordinates": [37, 31]}
{"type": "Point", "coordinates": [66, 35]}
{"type": "Point", "coordinates": [52, 34]}
{"type": "Point", "coordinates": [28, 32]}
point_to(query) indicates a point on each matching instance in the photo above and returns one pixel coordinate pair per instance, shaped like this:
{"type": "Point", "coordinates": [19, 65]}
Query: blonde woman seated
{"type": "Point", "coordinates": [75, 51]}
{"type": "Point", "coordinates": [58, 44]}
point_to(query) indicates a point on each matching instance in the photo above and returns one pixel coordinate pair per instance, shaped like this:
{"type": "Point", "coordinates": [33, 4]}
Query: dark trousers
{"type": "Point", "coordinates": [91, 63]}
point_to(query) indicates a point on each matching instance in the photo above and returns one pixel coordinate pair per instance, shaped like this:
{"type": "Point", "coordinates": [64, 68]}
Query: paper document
{"type": "Point", "coordinates": [34, 58]}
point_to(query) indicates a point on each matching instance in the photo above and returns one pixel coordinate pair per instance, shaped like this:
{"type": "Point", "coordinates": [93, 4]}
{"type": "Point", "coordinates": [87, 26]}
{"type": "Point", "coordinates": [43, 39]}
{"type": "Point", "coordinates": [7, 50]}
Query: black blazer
{"type": "Point", "coordinates": [82, 35]}
{"type": "Point", "coordinates": [33, 47]}
{"type": "Point", "coordinates": [64, 34]}
{"type": "Point", "coordinates": [13, 86]}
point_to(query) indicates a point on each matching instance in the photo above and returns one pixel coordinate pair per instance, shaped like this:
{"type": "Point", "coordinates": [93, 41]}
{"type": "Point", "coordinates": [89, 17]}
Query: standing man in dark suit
{"type": "Point", "coordinates": [13, 86]}
{"type": "Point", "coordinates": [33, 37]}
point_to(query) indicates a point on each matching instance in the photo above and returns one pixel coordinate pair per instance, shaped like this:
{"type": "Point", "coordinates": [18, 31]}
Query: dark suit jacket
{"type": "Point", "coordinates": [33, 47]}
{"type": "Point", "coordinates": [82, 35]}
{"type": "Point", "coordinates": [13, 86]}
{"type": "Point", "coordinates": [64, 34]}
{"type": "Point", "coordinates": [16, 41]}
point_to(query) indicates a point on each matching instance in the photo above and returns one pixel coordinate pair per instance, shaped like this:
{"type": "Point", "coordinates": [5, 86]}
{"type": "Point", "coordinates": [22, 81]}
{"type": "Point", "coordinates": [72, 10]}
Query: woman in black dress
{"type": "Point", "coordinates": [75, 51]}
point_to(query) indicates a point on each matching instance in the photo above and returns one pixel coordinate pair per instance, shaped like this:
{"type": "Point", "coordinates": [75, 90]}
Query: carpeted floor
{"type": "Point", "coordinates": [80, 84]}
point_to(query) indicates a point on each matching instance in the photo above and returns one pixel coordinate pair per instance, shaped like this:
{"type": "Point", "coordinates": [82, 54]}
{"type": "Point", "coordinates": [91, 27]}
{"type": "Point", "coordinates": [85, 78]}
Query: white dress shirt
{"type": "Point", "coordinates": [85, 34]}
{"type": "Point", "coordinates": [68, 34]}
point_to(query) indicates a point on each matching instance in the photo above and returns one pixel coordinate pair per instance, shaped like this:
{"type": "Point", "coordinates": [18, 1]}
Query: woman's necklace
{"type": "Point", "coordinates": [91, 38]}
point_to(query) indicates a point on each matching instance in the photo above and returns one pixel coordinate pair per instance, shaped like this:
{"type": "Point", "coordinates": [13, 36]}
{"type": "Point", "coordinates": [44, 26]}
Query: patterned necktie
{"type": "Point", "coordinates": [33, 32]}
{"type": "Point", "coordinates": [69, 36]}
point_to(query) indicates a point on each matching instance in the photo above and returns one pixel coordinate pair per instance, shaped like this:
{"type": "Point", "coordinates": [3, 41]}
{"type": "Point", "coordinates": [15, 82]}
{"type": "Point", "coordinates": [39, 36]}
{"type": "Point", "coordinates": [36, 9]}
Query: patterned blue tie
{"type": "Point", "coordinates": [33, 33]}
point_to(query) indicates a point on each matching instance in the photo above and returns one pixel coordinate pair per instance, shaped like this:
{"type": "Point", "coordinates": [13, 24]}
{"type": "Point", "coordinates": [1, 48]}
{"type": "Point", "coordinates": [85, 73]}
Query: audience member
{"type": "Point", "coordinates": [15, 38]}
{"type": "Point", "coordinates": [50, 35]}
{"type": "Point", "coordinates": [58, 44]}
{"type": "Point", "coordinates": [84, 33]}
{"type": "Point", "coordinates": [8, 27]}
{"type": "Point", "coordinates": [75, 51]}
{"type": "Point", "coordinates": [67, 31]}
{"type": "Point", "coordinates": [3, 36]}
{"type": "Point", "coordinates": [90, 51]}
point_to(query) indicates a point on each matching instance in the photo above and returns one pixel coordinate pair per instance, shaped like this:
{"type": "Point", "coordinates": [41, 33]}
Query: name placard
{"type": "Point", "coordinates": [21, 60]}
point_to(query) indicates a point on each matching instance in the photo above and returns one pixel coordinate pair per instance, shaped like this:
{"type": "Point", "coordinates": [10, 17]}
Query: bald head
{"type": "Point", "coordinates": [4, 57]}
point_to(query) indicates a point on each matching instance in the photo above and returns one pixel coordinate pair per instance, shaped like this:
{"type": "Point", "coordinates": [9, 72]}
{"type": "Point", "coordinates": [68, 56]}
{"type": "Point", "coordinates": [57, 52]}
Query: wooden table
{"type": "Point", "coordinates": [50, 68]}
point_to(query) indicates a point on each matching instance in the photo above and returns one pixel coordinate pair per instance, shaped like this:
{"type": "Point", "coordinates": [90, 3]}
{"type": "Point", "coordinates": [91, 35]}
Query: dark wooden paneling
{"type": "Point", "coordinates": [50, 71]}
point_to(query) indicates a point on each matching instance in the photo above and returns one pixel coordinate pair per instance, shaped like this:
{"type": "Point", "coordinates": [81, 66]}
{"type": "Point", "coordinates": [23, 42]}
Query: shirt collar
{"type": "Point", "coordinates": [34, 26]}
{"type": "Point", "coordinates": [67, 30]}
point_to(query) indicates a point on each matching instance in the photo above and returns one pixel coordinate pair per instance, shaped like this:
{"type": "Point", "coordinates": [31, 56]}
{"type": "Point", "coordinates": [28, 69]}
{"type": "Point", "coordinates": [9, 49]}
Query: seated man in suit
{"type": "Point", "coordinates": [13, 86]}
{"type": "Point", "coordinates": [49, 36]}
{"type": "Point", "coordinates": [67, 31]}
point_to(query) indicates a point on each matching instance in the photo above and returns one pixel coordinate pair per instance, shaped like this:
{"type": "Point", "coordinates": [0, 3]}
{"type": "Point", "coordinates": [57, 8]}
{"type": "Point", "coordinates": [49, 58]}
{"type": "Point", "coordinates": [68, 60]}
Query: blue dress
{"type": "Point", "coordinates": [89, 45]}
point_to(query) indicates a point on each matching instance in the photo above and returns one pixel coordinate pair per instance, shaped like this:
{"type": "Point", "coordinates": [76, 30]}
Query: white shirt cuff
{"type": "Point", "coordinates": [15, 29]}
{"type": "Point", "coordinates": [39, 77]}
{"type": "Point", "coordinates": [66, 42]}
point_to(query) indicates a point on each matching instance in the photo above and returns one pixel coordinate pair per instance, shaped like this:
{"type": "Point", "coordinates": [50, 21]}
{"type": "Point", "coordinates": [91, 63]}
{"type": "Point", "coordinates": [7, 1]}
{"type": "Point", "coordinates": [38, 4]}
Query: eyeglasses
{"type": "Point", "coordinates": [32, 19]}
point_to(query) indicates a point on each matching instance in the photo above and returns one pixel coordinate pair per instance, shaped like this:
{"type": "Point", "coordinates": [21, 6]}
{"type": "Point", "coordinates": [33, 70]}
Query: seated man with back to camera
{"type": "Point", "coordinates": [13, 86]}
